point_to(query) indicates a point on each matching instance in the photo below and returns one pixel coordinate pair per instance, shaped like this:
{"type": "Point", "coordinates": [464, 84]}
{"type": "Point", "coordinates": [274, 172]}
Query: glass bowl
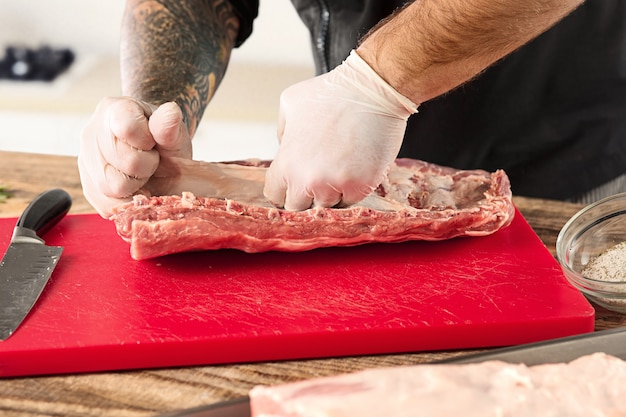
{"type": "Point", "coordinates": [591, 249]}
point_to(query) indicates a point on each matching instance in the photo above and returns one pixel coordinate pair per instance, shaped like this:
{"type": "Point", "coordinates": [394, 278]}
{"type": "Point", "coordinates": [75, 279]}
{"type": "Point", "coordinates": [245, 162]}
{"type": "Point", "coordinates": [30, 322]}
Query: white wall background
{"type": "Point", "coordinates": [90, 26]}
{"type": "Point", "coordinates": [48, 117]}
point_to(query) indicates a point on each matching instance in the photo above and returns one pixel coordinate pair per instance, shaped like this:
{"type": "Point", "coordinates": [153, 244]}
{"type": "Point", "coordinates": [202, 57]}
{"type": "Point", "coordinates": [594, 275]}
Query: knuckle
{"type": "Point", "coordinates": [128, 122]}
{"type": "Point", "coordinates": [117, 184]}
{"type": "Point", "coordinates": [137, 163]}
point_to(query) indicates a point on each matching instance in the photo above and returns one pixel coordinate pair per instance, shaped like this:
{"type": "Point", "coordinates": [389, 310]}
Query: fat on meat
{"type": "Point", "coordinates": [592, 385]}
{"type": "Point", "coordinates": [197, 205]}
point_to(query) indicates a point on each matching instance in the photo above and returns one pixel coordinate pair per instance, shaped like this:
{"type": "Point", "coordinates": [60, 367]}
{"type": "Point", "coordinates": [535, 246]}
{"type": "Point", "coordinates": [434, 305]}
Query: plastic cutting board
{"type": "Point", "coordinates": [101, 310]}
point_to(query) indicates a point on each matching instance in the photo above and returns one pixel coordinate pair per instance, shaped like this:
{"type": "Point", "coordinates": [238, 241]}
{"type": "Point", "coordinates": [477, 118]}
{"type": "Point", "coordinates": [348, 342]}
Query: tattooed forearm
{"type": "Point", "coordinates": [176, 50]}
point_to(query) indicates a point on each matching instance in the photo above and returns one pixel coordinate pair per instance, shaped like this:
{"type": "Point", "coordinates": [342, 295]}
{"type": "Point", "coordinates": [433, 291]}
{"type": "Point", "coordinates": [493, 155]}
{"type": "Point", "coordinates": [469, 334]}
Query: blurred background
{"type": "Point", "coordinates": [47, 116]}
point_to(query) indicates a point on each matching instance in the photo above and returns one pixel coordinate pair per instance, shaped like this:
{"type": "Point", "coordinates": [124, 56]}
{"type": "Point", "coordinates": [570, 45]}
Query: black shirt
{"type": "Point", "coordinates": [246, 11]}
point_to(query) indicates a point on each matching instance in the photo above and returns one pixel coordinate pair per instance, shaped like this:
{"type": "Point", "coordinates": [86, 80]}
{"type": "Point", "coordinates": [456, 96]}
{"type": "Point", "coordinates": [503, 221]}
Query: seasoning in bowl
{"type": "Point", "coordinates": [609, 265]}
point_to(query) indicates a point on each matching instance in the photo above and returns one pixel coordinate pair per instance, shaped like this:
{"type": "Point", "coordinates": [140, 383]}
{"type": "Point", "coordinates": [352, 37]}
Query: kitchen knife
{"type": "Point", "coordinates": [28, 262]}
{"type": "Point", "coordinates": [566, 349]}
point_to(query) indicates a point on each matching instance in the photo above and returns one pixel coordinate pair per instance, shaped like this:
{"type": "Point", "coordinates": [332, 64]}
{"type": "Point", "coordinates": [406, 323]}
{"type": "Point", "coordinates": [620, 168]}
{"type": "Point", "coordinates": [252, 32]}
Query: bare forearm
{"type": "Point", "coordinates": [432, 46]}
{"type": "Point", "coordinates": [176, 50]}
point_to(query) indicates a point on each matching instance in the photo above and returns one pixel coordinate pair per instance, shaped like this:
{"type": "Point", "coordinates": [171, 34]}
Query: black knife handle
{"type": "Point", "coordinates": [46, 210]}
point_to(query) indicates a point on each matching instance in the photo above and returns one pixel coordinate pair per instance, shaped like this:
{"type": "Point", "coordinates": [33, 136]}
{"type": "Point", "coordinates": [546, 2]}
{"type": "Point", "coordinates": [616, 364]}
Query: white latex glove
{"type": "Point", "coordinates": [338, 134]}
{"type": "Point", "coordinates": [121, 147]}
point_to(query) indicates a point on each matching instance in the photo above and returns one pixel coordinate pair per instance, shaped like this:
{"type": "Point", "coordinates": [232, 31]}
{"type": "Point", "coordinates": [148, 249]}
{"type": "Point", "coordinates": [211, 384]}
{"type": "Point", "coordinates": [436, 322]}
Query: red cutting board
{"type": "Point", "coordinates": [101, 310]}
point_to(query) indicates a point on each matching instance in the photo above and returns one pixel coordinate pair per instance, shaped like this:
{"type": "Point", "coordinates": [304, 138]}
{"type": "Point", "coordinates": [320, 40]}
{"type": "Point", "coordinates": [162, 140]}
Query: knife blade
{"type": "Point", "coordinates": [565, 349]}
{"type": "Point", "coordinates": [28, 263]}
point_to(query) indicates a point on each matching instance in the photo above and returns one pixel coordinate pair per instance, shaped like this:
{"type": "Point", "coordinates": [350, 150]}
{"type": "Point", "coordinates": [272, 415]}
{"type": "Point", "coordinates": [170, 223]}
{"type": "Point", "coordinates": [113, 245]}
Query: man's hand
{"type": "Point", "coordinates": [338, 134]}
{"type": "Point", "coordinates": [122, 145]}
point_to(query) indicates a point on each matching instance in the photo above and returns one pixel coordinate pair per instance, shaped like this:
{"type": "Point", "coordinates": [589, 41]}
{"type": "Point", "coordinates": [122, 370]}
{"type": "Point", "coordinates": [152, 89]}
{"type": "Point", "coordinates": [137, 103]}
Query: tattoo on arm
{"type": "Point", "coordinates": [176, 50]}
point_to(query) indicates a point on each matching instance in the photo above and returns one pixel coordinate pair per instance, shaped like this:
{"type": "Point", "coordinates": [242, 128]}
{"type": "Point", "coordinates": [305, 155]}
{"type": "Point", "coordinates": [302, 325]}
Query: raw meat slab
{"type": "Point", "coordinates": [592, 385]}
{"type": "Point", "coordinates": [104, 311]}
{"type": "Point", "coordinates": [415, 201]}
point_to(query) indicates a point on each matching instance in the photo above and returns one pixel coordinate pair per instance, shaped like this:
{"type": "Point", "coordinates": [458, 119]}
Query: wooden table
{"type": "Point", "coordinates": [150, 392]}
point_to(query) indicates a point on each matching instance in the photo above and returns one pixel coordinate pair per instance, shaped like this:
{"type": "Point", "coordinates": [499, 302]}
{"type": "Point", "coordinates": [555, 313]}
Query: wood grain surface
{"type": "Point", "coordinates": [151, 392]}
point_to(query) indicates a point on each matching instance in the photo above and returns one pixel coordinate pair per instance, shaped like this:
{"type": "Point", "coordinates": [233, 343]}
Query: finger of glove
{"type": "Point", "coordinates": [280, 131]}
{"type": "Point", "coordinates": [113, 182]}
{"type": "Point", "coordinates": [120, 184]}
{"type": "Point", "coordinates": [274, 187]}
{"type": "Point", "coordinates": [354, 195]}
{"type": "Point", "coordinates": [343, 195]}
{"type": "Point", "coordinates": [170, 132]}
{"type": "Point", "coordinates": [100, 152]}
{"type": "Point", "coordinates": [128, 145]}
{"type": "Point", "coordinates": [128, 121]}
{"type": "Point", "coordinates": [326, 195]}
{"type": "Point", "coordinates": [298, 198]}
{"type": "Point", "coordinates": [94, 185]}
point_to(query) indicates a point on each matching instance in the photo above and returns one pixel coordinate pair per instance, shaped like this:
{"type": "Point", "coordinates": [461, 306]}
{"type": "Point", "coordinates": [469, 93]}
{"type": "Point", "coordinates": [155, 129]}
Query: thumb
{"type": "Point", "coordinates": [170, 132]}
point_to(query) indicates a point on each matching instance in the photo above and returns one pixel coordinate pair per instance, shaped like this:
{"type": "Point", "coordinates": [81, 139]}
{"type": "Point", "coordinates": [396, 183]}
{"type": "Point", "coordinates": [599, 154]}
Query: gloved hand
{"type": "Point", "coordinates": [121, 147]}
{"type": "Point", "coordinates": [338, 134]}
